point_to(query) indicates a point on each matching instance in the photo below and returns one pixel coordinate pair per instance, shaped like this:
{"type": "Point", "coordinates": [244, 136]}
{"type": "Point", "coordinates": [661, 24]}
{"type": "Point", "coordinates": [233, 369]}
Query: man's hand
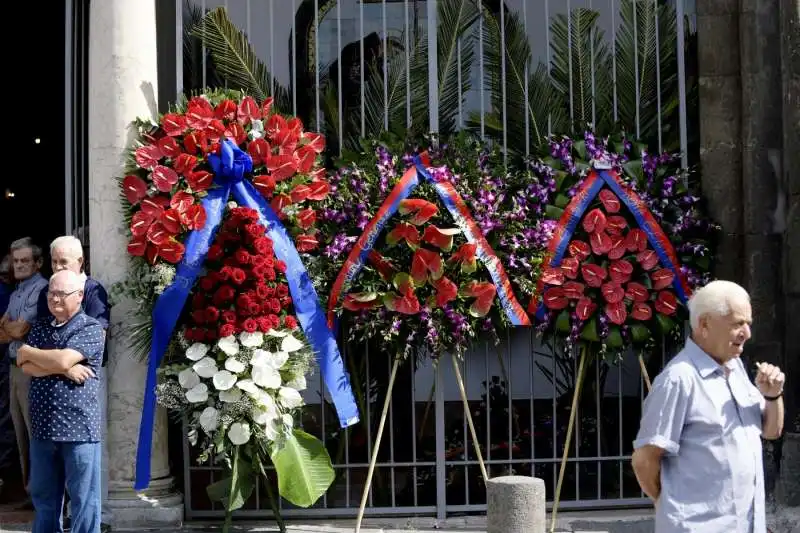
{"type": "Point", "coordinates": [17, 329]}
{"type": "Point", "coordinates": [79, 374]}
{"type": "Point", "coordinates": [22, 355]}
{"type": "Point", "coordinates": [770, 379]}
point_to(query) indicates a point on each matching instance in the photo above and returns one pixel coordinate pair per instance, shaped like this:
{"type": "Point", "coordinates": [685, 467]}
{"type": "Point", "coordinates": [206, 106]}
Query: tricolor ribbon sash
{"type": "Point", "coordinates": [574, 212]}
{"type": "Point", "coordinates": [229, 169]}
{"type": "Point", "coordinates": [461, 216]}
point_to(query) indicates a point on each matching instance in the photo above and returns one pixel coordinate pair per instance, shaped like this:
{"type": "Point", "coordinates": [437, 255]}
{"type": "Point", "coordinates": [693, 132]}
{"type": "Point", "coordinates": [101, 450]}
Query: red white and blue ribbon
{"type": "Point", "coordinates": [577, 207]}
{"type": "Point", "coordinates": [462, 218]}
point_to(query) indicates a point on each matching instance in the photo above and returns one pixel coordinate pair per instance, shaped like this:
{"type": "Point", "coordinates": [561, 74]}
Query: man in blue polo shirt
{"type": "Point", "coordinates": [64, 356]}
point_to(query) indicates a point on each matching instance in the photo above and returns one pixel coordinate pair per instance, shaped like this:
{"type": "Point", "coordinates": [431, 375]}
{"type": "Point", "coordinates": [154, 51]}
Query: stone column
{"type": "Point", "coordinates": [122, 85]}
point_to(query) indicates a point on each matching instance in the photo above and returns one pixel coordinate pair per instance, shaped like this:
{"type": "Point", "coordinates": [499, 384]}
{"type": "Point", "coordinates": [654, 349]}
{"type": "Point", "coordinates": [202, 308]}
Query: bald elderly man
{"type": "Point", "coordinates": [698, 451]}
{"type": "Point", "coordinates": [63, 356]}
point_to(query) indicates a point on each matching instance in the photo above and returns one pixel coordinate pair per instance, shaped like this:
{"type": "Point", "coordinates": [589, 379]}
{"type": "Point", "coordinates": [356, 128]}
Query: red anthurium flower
{"type": "Point", "coordinates": [573, 289]}
{"type": "Point", "coordinates": [248, 110]}
{"type": "Point", "coordinates": [421, 211]}
{"type": "Point", "coordinates": [151, 254]}
{"type": "Point", "coordinates": [184, 164]}
{"type": "Point", "coordinates": [155, 205]}
{"type": "Point", "coordinates": [318, 190]}
{"type": "Point", "coordinates": [361, 300]}
{"type": "Point", "coordinates": [383, 265]}
{"type": "Point", "coordinates": [617, 250]}
{"type": "Point", "coordinates": [305, 243]}
{"type": "Point", "coordinates": [275, 124]}
{"type": "Point", "coordinates": [442, 238]}
{"type": "Point", "coordinates": [137, 246]}
{"type": "Point", "coordinates": [181, 201]}
{"type": "Point", "coordinates": [158, 234]}
{"type": "Point", "coordinates": [555, 298]}
{"type": "Point", "coordinates": [164, 178]}
{"type": "Point", "coordinates": [135, 189]}
{"type": "Point", "coordinates": [197, 141]}
{"type": "Point", "coordinates": [641, 311]}
{"type": "Point", "coordinates": [406, 302]}
{"type": "Point", "coordinates": [140, 223]}
{"type": "Point", "coordinates": [484, 293]}
{"type": "Point", "coordinates": [299, 193]}
{"type": "Point", "coordinates": [173, 124]}
{"type": "Point", "coordinates": [636, 240]}
{"type": "Point", "coordinates": [199, 180]}
{"type": "Point", "coordinates": [609, 200]}
{"type": "Point", "coordinates": [306, 218]}
{"type": "Point", "coordinates": [666, 303]}
{"type": "Point", "coordinates": [279, 202]}
{"type": "Point", "coordinates": [616, 225]}
{"type": "Point", "coordinates": [148, 156]}
{"type": "Point", "coordinates": [570, 267]}
{"type": "Point", "coordinates": [662, 278]}
{"type": "Point", "coordinates": [613, 292]}
{"type": "Point", "coordinates": [199, 114]}
{"type": "Point", "coordinates": [403, 232]}
{"type": "Point", "coordinates": [616, 312]}
{"type": "Point", "coordinates": [648, 259]}
{"type": "Point", "coordinates": [169, 147]}
{"type": "Point", "coordinates": [637, 292]}
{"type": "Point", "coordinates": [465, 255]}
{"type": "Point", "coordinates": [171, 251]}
{"type": "Point", "coordinates": [579, 250]}
{"type": "Point", "coordinates": [195, 217]}
{"type": "Point", "coordinates": [305, 157]}
{"type": "Point", "coordinates": [259, 150]}
{"type": "Point", "coordinates": [236, 132]}
{"type": "Point", "coordinates": [281, 167]}
{"type": "Point", "coordinates": [593, 275]}
{"type": "Point", "coordinates": [594, 221]}
{"type": "Point", "coordinates": [553, 276]}
{"type": "Point", "coordinates": [446, 291]}
{"type": "Point", "coordinates": [266, 106]}
{"type": "Point", "coordinates": [265, 184]}
{"type": "Point", "coordinates": [315, 141]}
{"type": "Point", "coordinates": [620, 271]}
{"type": "Point", "coordinates": [601, 243]}
{"type": "Point", "coordinates": [585, 308]}
{"type": "Point", "coordinates": [423, 262]}
{"type": "Point", "coordinates": [225, 110]}
{"type": "Point", "coordinates": [171, 219]}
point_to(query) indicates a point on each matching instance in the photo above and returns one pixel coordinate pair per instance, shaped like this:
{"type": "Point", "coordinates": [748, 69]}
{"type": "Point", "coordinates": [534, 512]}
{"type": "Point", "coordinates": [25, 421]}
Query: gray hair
{"type": "Point", "coordinates": [68, 243]}
{"type": "Point", "coordinates": [27, 242]}
{"type": "Point", "coordinates": [716, 298]}
{"type": "Point", "coordinates": [73, 281]}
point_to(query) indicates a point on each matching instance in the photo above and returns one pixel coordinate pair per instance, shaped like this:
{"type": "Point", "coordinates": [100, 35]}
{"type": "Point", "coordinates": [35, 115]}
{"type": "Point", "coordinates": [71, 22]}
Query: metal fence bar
{"type": "Point", "coordinates": [203, 46]}
{"type": "Point", "coordinates": [636, 66]}
{"type": "Point", "coordinates": [480, 67]}
{"type": "Point", "coordinates": [339, 69]}
{"type": "Point", "coordinates": [362, 66]}
{"type": "Point", "coordinates": [658, 77]}
{"type": "Point", "coordinates": [385, 39]}
{"type": "Point", "coordinates": [316, 65]}
{"type": "Point", "coordinates": [441, 473]}
{"type": "Point", "coordinates": [614, 58]}
{"type": "Point", "coordinates": [527, 102]}
{"type": "Point", "coordinates": [549, 70]}
{"type": "Point", "coordinates": [503, 77]}
{"type": "Point", "coordinates": [682, 111]}
{"type": "Point", "coordinates": [293, 68]}
{"type": "Point", "coordinates": [414, 430]}
{"type": "Point", "coordinates": [432, 12]}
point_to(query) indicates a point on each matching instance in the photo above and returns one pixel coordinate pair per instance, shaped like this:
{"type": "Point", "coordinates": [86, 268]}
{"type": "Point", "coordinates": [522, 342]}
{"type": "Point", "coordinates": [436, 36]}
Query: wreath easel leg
{"type": "Point", "coordinates": [572, 415]}
{"type": "Point", "coordinates": [468, 414]}
{"type": "Point", "coordinates": [377, 445]}
{"type": "Point", "coordinates": [645, 375]}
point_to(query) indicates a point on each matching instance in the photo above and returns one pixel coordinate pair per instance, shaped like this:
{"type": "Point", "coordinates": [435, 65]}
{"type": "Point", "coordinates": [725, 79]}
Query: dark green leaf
{"type": "Point", "coordinates": [562, 200]}
{"type": "Point", "coordinates": [589, 332]}
{"type": "Point", "coordinates": [553, 212]}
{"type": "Point", "coordinates": [640, 333]}
{"type": "Point", "coordinates": [614, 339]}
{"type": "Point", "coordinates": [562, 322]}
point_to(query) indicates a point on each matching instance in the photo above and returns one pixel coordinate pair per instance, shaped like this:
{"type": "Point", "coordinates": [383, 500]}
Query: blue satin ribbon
{"type": "Point", "coordinates": [229, 169]}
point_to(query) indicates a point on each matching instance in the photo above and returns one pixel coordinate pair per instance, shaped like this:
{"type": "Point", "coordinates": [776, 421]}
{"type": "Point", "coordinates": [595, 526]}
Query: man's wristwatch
{"type": "Point", "coordinates": [773, 398]}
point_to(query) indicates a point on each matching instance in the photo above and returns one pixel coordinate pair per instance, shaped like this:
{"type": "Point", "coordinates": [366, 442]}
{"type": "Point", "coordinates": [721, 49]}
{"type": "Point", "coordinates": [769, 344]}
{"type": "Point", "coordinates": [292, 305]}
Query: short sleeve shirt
{"type": "Point", "coordinates": [60, 409]}
{"type": "Point", "coordinates": [24, 304]}
{"type": "Point", "coordinates": [707, 418]}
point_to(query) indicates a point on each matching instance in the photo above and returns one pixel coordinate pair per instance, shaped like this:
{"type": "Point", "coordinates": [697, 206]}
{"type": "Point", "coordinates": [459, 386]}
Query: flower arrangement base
{"type": "Point", "coordinates": [377, 444]}
{"type": "Point", "coordinates": [645, 374]}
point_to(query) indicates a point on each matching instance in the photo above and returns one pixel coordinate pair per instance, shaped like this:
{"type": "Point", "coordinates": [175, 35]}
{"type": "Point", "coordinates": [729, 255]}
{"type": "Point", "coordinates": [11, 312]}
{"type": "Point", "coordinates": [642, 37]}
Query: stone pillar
{"type": "Point", "coordinates": [720, 126]}
{"type": "Point", "coordinates": [122, 85]}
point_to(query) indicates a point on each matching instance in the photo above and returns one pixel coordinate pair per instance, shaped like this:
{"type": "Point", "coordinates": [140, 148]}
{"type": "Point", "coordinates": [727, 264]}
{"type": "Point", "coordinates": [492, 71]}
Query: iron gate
{"type": "Point", "coordinates": [334, 60]}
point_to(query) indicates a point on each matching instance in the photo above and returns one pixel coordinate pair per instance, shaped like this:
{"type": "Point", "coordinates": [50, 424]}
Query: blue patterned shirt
{"type": "Point", "coordinates": [24, 304]}
{"type": "Point", "coordinates": [60, 409]}
{"type": "Point", "coordinates": [707, 418]}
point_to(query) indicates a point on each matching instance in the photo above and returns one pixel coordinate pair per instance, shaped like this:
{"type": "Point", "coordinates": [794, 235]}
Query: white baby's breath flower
{"type": "Point", "coordinates": [290, 344]}
{"type": "Point", "coordinates": [289, 397]}
{"type": "Point", "coordinates": [251, 340]}
{"type": "Point", "coordinates": [298, 382]}
{"type": "Point", "coordinates": [231, 395]}
{"type": "Point", "coordinates": [188, 378]}
{"type": "Point", "coordinates": [224, 380]}
{"type": "Point", "coordinates": [228, 345]}
{"type": "Point", "coordinates": [256, 129]}
{"type": "Point", "coordinates": [209, 420]}
{"type": "Point", "coordinates": [239, 433]}
{"type": "Point", "coordinates": [197, 394]}
{"type": "Point", "coordinates": [234, 365]}
{"type": "Point", "coordinates": [197, 351]}
{"type": "Point", "coordinates": [205, 367]}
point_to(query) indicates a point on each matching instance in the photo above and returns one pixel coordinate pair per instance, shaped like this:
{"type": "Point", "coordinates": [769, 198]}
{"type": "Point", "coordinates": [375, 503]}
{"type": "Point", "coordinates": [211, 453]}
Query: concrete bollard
{"type": "Point", "coordinates": [515, 504]}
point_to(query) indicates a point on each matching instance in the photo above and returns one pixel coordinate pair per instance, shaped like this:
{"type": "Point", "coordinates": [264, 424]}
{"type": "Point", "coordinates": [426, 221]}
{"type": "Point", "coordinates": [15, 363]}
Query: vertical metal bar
{"type": "Point", "coordinates": [641, 405]}
{"type": "Point", "coordinates": [203, 45]}
{"type": "Point", "coordinates": [466, 438]}
{"type": "Point", "coordinates": [363, 66]}
{"type": "Point", "coordinates": [527, 114]}
{"type": "Point", "coordinates": [323, 424]}
{"type": "Point", "coordinates": [441, 473]}
{"type": "Point", "coordinates": [503, 77]}
{"type": "Point", "coordinates": [531, 364]}
{"type": "Point", "coordinates": [294, 66]}
{"type": "Point", "coordinates": [179, 49]}
{"type": "Point", "coordinates": [555, 414]}
{"type": "Point", "coordinates": [414, 431]}
{"type": "Point", "coordinates": [549, 69]}
{"type": "Point", "coordinates": [385, 68]}
{"type": "Point", "coordinates": [316, 64]}
{"type": "Point", "coordinates": [594, 91]}
{"type": "Point", "coordinates": [272, 48]}
{"type": "Point", "coordinates": [577, 435]}
{"type": "Point", "coordinates": [682, 84]}
{"type": "Point", "coordinates": [69, 64]}
{"type": "Point", "coordinates": [480, 66]}
{"type": "Point", "coordinates": [187, 467]}
{"type": "Point", "coordinates": [569, 57]}
{"type": "Point", "coordinates": [339, 73]}
{"type": "Point", "coordinates": [614, 57]}
{"type": "Point", "coordinates": [488, 403]}
{"type": "Point", "coordinates": [346, 350]}
{"type": "Point", "coordinates": [638, 91]}
{"type": "Point", "coordinates": [391, 440]}
{"type": "Point", "coordinates": [619, 417]}
{"type": "Point", "coordinates": [248, 22]}
{"type": "Point", "coordinates": [658, 77]}
{"type": "Point", "coordinates": [433, 64]}
{"type": "Point", "coordinates": [408, 89]}
{"type": "Point", "coordinates": [598, 400]}
{"type": "Point", "coordinates": [510, 390]}
{"type": "Point", "coordinates": [368, 396]}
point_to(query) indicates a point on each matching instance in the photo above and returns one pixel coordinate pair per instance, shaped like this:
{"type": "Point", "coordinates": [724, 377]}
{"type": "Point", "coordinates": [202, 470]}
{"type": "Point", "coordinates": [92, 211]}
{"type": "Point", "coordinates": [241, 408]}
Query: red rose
{"type": "Point", "coordinates": [280, 266]}
{"type": "Point", "coordinates": [254, 308]}
{"type": "Point", "coordinates": [269, 262]}
{"type": "Point", "coordinates": [254, 231]}
{"type": "Point", "coordinates": [282, 290]}
{"type": "Point", "coordinates": [207, 284]}
{"type": "Point", "coordinates": [243, 301]}
{"type": "Point", "coordinates": [223, 295]}
{"type": "Point", "coordinates": [198, 300]}
{"type": "Point", "coordinates": [199, 316]}
{"type": "Point", "coordinates": [226, 330]}
{"type": "Point", "coordinates": [260, 272]}
{"type": "Point", "coordinates": [250, 325]}
{"type": "Point", "coordinates": [290, 322]}
{"type": "Point", "coordinates": [210, 335]}
{"type": "Point", "coordinates": [286, 301]}
{"type": "Point", "coordinates": [190, 334]}
{"type": "Point", "coordinates": [242, 256]}
{"type": "Point", "coordinates": [238, 276]}
{"type": "Point", "coordinates": [212, 314]}
{"type": "Point", "coordinates": [264, 324]}
{"type": "Point", "coordinates": [224, 273]}
{"type": "Point", "coordinates": [229, 317]}
{"type": "Point", "coordinates": [270, 274]}
{"type": "Point", "coordinates": [275, 305]}
{"type": "Point", "coordinates": [258, 260]}
{"type": "Point", "coordinates": [262, 291]}
{"type": "Point", "coordinates": [275, 321]}
{"type": "Point", "coordinates": [263, 245]}
{"type": "Point", "coordinates": [215, 252]}
{"type": "Point", "coordinates": [270, 291]}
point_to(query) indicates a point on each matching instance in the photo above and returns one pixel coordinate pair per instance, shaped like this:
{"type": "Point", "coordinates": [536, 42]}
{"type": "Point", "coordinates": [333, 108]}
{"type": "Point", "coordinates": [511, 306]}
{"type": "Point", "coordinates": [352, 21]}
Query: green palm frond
{"type": "Point", "coordinates": [647, 67]}
{"type": "Point", "coordinates": [580, 69]}
{"type": "Point", "coordinates": [235, 59]}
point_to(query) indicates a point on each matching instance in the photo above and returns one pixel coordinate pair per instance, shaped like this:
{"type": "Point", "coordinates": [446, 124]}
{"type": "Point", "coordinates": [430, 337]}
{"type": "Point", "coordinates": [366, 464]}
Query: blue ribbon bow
{"type": "Point", "coordinates": [230, 167]}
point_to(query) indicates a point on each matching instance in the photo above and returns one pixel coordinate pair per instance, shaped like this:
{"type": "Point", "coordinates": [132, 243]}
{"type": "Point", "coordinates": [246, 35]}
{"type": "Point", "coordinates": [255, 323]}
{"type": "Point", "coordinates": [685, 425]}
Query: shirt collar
{"type": "Point", "coordinates": [704, 363]}
{"type": "Point", "coordinates": [57, 325]}
{"type": "Point", "coordinates": [30, 281]}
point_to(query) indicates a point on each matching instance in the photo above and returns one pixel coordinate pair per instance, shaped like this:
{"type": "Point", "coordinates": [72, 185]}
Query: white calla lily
{"type": "Point", "coordinates": [209, 420]}
{"type": "Point", "coordinates": [291, 344]}
{"type": "Point", "coordinates": [266, 401]}
{"type": "Point", "coordinates": [231, 395]}
{"type": "Point", "coordinates": [188, 378]}
{"type": "Point", "coordinates": [248, 386]}
{"type": "Point", "coordinates": [197, 394]}
{"type": "Point", "coordinates": [274, 360]}
{"type": "Point", "coordinates": [251, 340]}
{"type": "Point", "coordinates": [276, 333]}
{"type": "Point", "coordinates": [196, 351]}
{"type": "Point", "coordinates": [298, 382]}
{"type": "Point", "coordinates": [289, 397]}
{"type": "Point", "coordinates": [239, 433]}
{"type": "Point", "coordinates": [263, 416]}
{"type": "Point", "coordinates": [224, 380]}
{"type": "Point", "coordinates": [272, 428]}
{"type": "Point", "coordinates": [205, 367]}
{"type": "Point", "coordinates": [234, 365]}
{"type": "Point", "coordinates": [266, 376]}
{"type": "Point", "coordinates": [228, 345]}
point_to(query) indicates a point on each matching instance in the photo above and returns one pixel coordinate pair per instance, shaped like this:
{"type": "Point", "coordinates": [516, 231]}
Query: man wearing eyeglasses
{"type": "Point", "coordinates": [64, 356]}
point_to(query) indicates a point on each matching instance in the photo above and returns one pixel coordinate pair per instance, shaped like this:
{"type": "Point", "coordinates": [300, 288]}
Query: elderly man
{"type": "Point", "coordinates": [22, 311]}
{"type": "Point", "coordinates": [7, 438]}
{"type": "Point", "coordinates": [698, 451]}
{"type": "Point", "coordinates": [66, 253]}
{"type": "Point", "coordinates": [63, 356]}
